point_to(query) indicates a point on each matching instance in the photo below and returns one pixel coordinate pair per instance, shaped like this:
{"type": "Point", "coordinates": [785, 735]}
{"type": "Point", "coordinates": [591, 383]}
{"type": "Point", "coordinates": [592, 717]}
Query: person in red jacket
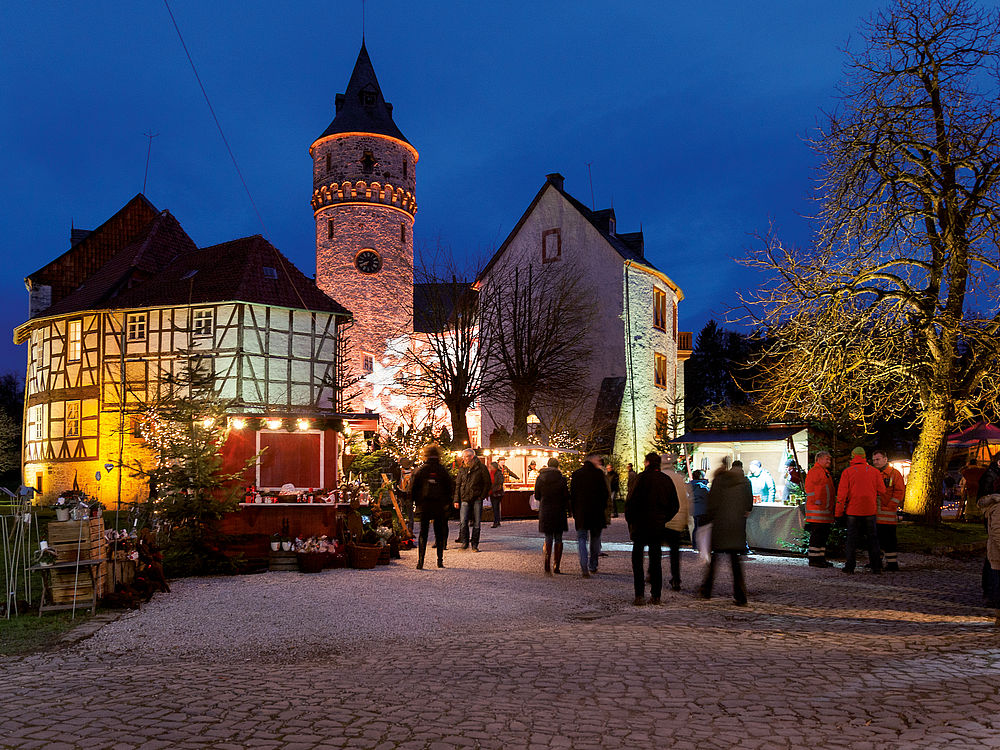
{"type": "Point", "coordinates": [888, 508]}
{"type": "Point", "coordinates": [858, 496]}
{"type": "Point", "coordinates": [821, 497]}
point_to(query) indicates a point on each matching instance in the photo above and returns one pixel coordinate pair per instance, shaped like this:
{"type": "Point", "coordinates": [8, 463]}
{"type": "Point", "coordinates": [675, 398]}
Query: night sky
{"type": "Point", "coordinates": [692, 117]}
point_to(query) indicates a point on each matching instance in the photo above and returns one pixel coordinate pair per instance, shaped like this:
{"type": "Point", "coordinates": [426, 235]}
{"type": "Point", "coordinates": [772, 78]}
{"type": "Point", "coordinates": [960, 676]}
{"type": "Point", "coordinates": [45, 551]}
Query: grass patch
{"type": "Point", "coordinates": [916, 538]}
{"type": "Point", "coordinates": [29, 632]}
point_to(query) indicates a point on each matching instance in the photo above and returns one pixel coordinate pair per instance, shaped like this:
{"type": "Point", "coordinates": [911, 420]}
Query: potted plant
{"type": "Point", "coordinates": [96, 508]}
{"type": "Point", "coordinates": [286, 544]}
{"type": "Point", "coordinates": [275, 542]}
{"type": "Point", "coordinates": [62, 508]}
{"type": "Point", "coordinates": [46, 556]}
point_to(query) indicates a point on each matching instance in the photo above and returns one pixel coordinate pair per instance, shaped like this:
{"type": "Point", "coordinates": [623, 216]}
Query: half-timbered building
{"type": "Point", "coordinates": [136, 299]}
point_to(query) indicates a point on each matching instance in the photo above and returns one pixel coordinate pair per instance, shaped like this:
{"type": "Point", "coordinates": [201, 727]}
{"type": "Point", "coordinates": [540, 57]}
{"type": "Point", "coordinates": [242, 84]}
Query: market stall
{"type": "Point", "coordinates": [773, 459]}
{"type": "Point", "coordinates": [523, 464]}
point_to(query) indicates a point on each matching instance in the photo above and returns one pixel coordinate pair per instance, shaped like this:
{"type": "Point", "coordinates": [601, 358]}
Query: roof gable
{"type": "Point", "coordinates": [67, 272]}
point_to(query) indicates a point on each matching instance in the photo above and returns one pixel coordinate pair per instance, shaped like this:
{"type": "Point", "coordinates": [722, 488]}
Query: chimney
{"type": "Point", "coordinates": [555, 179]}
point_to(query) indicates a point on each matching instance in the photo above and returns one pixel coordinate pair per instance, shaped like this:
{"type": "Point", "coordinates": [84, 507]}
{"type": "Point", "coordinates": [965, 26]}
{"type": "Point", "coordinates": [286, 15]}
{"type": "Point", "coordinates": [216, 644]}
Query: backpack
{"type": "Point", "coordinates": [436, 487]}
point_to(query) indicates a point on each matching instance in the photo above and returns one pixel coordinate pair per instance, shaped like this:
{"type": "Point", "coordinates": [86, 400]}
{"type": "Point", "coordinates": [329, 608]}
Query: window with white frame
{"type": "Point", "coordinates": [72, 419]}
{"type": "Point", "coordinates": [74, 342]}
{"type": "Point", "coordinates": [202, 322]}
{"type": "Point", "coordinates": [39, 429]}
{"type": "Point", "coordinates": [135, 326]}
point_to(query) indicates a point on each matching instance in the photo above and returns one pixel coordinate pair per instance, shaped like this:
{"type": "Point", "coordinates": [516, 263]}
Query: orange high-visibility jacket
{"type": "Point", "coordinates": [888, 504]}
{"type": "Point", "coordinates": [820, 495]}
{"type": "Point", "coordinates": [860, 488]}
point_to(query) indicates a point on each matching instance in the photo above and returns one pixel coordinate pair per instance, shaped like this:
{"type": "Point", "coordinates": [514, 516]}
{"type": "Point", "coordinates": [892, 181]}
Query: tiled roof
{"type": "Point", "coordinates": [353, 115]}
{"type": "Point", "coordinates": [250, 269]}
{"type": "Point", "coordinates": [162, 266]}
{"type": "Point", "coordinates": [153, 249]}
{"type": "Point", "coordinates": [65, 273]}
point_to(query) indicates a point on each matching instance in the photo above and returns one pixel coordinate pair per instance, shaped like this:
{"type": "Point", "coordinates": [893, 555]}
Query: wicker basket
{"type": "Point", "coordinates": [363, 556]}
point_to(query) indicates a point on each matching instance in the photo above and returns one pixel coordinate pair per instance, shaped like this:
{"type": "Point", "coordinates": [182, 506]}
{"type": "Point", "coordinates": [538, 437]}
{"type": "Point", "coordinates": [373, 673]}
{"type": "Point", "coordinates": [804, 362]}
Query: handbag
{"type": "Point", "coordinates": [487, 503]}
{"type": "Point", "coordinates": [533, 502]}
{"type": "Point", "coordinates": [703, 538]}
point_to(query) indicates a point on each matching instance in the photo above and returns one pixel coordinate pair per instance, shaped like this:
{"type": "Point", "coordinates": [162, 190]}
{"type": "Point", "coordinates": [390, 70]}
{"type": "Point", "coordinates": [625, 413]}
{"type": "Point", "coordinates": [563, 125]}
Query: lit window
{"type": "Point", "coordinates": [136, 327]}
{"type": "Point", "coordinates": [659, 370]}
{"type": "Point", "coordinates": [660, 309]}
{"type": "Point", "coordinates": [367, 364]}
{"type": "Point", "coordinates": [551, 245]}
{"type": "Point", "coordinates": [662, 423]}
{"type": "Point", "coordinates": [202, 322]}
{"type": "Point", "coordinates": [72, 419]}
{"type": "Point", "coordinates": [74, 346]}
{"type": "Point", "coordinates": [402, 232]}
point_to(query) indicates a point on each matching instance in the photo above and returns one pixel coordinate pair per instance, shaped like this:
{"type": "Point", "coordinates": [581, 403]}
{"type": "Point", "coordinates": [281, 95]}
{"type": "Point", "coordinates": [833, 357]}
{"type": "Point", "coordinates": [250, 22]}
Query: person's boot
{"type": "Point", "coordinates": [420, 554]}
{"type": "Point", "coordinates": [547, 549]}
{"type": "Point", "coordinates": [558, 556]}
{"type": "Point", "coordinates": [440, 558]}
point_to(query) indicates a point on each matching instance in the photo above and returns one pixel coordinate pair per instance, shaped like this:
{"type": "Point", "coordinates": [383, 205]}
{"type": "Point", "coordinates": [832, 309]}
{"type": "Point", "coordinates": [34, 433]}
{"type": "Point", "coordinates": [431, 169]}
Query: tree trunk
{"type": "Point", "coordinates": [459, 428]}
{"type": "Point", "coordinates": [923, 488]}
{"type": "Point", "coordinates": [522, 406]}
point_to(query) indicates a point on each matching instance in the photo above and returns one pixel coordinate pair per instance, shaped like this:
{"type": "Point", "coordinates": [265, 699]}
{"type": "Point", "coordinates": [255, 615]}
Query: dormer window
{"type": "Point", "coordinates": [368, 162]}
{"type": "Point", "coordinates": [270, 273]}
{"type": "Point", "coordinates": [368, 98]}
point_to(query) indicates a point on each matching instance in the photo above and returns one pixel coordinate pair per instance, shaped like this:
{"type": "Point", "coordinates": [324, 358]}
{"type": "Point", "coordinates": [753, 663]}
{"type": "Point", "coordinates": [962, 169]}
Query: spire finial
{"type": "Point", "coordinates": [362, 23]}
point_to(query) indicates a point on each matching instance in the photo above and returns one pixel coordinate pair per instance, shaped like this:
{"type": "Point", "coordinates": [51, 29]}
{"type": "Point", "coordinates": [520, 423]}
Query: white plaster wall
{"type": "Point", "coordinates": [583, 250]}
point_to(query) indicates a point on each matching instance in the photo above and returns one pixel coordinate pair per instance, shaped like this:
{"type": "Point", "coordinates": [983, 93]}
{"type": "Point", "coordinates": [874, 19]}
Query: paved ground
{"type": "Point", "coordinates": [490, 653]}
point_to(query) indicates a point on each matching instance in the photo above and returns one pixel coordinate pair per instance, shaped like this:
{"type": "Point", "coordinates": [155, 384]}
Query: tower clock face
{"type": "Point", "coordinates": [368, 261]}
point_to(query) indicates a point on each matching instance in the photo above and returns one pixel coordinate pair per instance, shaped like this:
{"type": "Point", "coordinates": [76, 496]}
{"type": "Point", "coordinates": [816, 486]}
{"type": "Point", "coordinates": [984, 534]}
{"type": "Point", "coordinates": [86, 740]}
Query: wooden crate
{"type": "Point", "coordinates": [283, 561]}
{"type": "Point", "coordinates": [72, 541]}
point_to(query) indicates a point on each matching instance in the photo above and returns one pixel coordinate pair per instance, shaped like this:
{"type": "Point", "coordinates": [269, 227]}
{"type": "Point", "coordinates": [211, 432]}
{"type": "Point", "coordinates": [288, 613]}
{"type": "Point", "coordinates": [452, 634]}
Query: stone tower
{"type": "Point", "coordinates": [364, 180]}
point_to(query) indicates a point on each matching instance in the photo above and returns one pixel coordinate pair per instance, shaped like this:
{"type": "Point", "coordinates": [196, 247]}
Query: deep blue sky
{"type": "Point", "coordinates": [692, 116]}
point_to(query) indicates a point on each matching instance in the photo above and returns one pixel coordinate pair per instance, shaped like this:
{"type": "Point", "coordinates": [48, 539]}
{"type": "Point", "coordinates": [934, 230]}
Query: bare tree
{"type": "Point", "coordinates": [894, 307]}
{"type": "Point", "coordinates": [536, 325]}
{"type": "Point", "coordinates": [444, 363]}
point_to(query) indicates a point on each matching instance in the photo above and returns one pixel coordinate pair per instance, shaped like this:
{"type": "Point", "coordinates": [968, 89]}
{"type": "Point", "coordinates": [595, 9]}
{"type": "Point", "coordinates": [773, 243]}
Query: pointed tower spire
{"type": "Point", "coordinates": [362, 108]}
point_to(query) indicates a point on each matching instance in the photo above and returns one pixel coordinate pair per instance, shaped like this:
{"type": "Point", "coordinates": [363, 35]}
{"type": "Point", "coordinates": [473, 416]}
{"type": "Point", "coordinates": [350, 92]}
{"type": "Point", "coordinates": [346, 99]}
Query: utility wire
{"type": "Point", "coordinates": [232, 156]}
{"type": "Point", "coordinates": [214, 117]}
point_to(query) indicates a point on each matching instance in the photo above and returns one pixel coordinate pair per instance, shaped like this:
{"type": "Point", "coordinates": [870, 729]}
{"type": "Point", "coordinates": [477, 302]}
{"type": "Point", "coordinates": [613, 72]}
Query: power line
{"type": "Point", "coordinates": [214, 117]}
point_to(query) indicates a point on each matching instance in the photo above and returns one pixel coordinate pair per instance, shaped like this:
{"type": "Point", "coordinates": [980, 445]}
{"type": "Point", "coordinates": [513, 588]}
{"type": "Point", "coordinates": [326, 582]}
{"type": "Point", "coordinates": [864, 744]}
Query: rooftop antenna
{"type": "Point", "coordinates": [149, 148]}
{"type": "Point", "coordinates": [591, 176]}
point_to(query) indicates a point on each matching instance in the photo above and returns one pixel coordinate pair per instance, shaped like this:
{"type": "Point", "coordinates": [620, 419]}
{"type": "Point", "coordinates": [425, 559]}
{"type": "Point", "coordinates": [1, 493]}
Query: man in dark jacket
{"type": "Point", "coordinates": [652, 502]}
{"type": "Point", "coordinates": [471, 488]}
{"type": "Point", "coordinates": [432, 488]}
{"type": "Point", "coordinates": [729, 503]}
{"type": "Point", "coordinates": [589, 495]}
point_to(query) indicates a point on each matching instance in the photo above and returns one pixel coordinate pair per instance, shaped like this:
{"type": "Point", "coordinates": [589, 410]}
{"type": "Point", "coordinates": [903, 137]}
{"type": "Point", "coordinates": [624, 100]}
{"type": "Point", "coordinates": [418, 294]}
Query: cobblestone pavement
{"type": "Point", "coordinates": [490, 653]}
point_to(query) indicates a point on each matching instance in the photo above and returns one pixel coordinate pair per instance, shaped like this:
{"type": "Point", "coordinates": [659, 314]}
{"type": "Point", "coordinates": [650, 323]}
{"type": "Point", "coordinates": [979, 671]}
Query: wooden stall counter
{"type": "Point", "coordinates": [255, 523]}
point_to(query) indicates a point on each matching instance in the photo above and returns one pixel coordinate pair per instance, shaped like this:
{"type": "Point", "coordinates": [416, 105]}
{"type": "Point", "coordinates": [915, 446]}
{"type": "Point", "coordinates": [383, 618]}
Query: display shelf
{"type": "Point", "coordinates": [288, 505]}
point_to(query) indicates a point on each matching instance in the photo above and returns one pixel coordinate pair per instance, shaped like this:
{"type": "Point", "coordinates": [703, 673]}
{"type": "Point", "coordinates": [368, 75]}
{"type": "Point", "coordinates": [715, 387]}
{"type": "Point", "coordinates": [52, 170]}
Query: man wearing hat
{"type": "Point", "coordinates": [858, 495]}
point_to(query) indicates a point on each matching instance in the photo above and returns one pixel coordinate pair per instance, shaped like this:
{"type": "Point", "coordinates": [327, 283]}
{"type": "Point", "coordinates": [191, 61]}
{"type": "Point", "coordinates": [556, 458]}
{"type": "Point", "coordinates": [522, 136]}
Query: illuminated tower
{"type": "Point", "coordinates": [363, 197]}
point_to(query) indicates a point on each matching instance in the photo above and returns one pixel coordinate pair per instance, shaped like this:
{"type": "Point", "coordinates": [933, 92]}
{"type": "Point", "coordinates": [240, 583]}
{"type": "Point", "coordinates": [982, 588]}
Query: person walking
{"type": "Point", "coordinates": [858, 495]}
{"type": "Point", "coordinates": [730, 501]}
{"type": "Point", "coordinates": [631, 478]}
{"type": "Point", "coordinates": [651, 503]}
{"type": "Point", "coordinates": [471, 487]}
{"type": "Point", "coordinates": [589, 495]}
{"type": "Point", "coordinates": [496, 491]}
{"type": "Point", "coordinates": [431, 488]}
{"type": "Point", "coordinates": [886, 516]}
{"type": "Point", "coordinates": [552, 495]}
{"type": "Point", "coordinates": [821, 500]}
{"type": "Point", "coordinates": [679, 520]}
{"type": "Point", "coordinates": [615, 481]}
{"type": "Point", "coordinates": [699, 503]}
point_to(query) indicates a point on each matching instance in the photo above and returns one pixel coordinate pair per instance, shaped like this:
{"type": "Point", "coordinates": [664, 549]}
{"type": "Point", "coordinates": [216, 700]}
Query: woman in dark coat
{"type": "Point", "coordinates": [729, 503]}
{"type": "Point", "coordinates": [552, 495]}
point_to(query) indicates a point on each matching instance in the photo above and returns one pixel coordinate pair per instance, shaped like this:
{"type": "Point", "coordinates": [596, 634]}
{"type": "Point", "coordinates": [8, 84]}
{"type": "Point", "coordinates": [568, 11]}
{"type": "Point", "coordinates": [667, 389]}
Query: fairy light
{"type": "Point", "coordinates": [238, 423]}
{"type": "Point", "coordinates": [274, 424]}
{"type": "Point", "coordinates": [303, 424]}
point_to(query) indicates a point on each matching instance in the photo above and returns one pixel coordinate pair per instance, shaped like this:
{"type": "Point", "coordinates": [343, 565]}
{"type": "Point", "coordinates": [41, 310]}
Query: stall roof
{"type": "Point", "coordinates": [781, 432]}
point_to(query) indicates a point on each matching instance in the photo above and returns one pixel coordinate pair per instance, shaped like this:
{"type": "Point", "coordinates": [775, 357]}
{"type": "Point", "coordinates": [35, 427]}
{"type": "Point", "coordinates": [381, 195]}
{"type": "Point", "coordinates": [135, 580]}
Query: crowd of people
{"type": "Point", "coordinates": [660, 503]}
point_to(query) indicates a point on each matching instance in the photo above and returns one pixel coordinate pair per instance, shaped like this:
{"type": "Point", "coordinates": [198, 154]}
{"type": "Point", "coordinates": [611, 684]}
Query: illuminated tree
{"type": "Point", "coordinates": [184, 428]}
{"type": "Point", "coordinates": [536, 326]}
{"type": "Point", "coordinates": [894, 307]}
